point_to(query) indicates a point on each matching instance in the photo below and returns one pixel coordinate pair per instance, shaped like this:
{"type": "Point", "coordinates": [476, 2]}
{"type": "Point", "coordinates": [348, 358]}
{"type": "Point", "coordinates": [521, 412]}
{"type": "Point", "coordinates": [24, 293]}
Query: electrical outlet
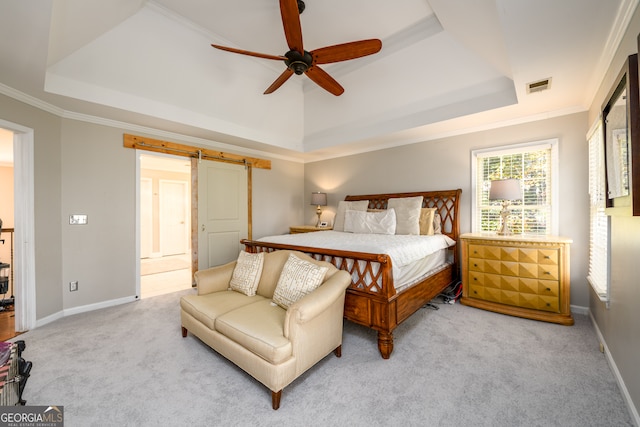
{"type": "Point", "coordinates": [73, 286]}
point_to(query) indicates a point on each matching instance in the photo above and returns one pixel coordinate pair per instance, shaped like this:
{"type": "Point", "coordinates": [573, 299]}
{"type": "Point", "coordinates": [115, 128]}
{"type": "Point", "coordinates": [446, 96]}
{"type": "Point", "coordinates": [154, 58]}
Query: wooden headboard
{"type": "Point", "coordinates": [446, 203]}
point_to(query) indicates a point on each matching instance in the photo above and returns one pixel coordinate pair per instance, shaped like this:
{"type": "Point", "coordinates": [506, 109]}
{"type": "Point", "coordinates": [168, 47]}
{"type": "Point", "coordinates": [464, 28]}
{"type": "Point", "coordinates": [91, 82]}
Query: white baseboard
{"type": "Point", "coordinates": [99, 305]}
{"type": "Point", "coordinates": [51, 318]}
{"type": "Point", "coordinates": [577, 309]}
{"type": "Point", "coordinates": [84, 309]}
{"type": "Point", "coordinates": [633, 411]}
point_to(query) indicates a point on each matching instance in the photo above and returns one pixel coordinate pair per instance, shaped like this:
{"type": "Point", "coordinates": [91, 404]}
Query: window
{"type": "Point", "coordinates": [598, 220]}
{"type": "Point", "coordinates": [536, 165]}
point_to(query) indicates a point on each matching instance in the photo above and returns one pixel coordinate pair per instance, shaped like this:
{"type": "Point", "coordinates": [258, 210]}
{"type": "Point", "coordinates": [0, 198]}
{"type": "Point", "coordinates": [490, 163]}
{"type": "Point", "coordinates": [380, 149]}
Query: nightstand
{"type": "Point", "coordinates": [306, 229]}
{"type": "Point", "coordinates": [525, 276]}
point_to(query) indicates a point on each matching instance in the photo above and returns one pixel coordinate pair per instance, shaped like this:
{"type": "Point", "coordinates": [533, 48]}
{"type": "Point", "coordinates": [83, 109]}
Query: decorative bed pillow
{"type": "Point", "coordinates": [407, 214]}
{"type": "Point", "coordinates": [379, 222]}
{"type": "Point", "coordinates": [247, 272]}
{"type": "Point", "coordinates": [343, 207]}
{"type": "Point", "coordinates": [437, 224]}
{"type": "Point", "coordinates": [297, 279]}
{"type": "Point", "coordinates": [427, 216]}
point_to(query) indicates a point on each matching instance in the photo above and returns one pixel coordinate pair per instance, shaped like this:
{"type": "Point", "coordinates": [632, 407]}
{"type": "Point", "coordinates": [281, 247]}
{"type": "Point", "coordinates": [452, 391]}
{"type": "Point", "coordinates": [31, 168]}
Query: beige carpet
{"type": "Point", "coordinates": [162, 265]}
{"type": "Point", "coordinates": [455, 367]}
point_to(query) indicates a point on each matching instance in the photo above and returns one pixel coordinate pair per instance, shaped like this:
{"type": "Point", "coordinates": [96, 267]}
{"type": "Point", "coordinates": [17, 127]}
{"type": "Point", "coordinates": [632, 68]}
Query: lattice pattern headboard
{"type": "Point", "coordinates": [446, 202]}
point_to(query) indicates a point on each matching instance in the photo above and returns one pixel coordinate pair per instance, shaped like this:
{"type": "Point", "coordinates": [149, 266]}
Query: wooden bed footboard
{"type": "Point", "coordinates": [371, 299]}
{"type": "Point", "coordinates": [370, 273]}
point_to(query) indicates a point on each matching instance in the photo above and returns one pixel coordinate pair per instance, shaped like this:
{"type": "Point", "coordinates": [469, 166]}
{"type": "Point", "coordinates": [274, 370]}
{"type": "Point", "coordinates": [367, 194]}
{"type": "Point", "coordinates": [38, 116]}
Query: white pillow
{"type": "Point", "coordinates": [380, 222]}
{"type": "Point", "coordinates": [343, 207]}
{"type": "Point", "coordinates": [407, 214]}
{"type": "Point", "coordinates": [297, 279]}
{"type": "Point", "coordinates": [247, 272]}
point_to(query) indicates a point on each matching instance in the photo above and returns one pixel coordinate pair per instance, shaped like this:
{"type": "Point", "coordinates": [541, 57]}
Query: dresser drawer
{"type": "Point", "coordinates": [548, 288]}
{"type": "Point", "coordinates": [514, 291]}
{"type": "Point", "coordinates": [537, 302]}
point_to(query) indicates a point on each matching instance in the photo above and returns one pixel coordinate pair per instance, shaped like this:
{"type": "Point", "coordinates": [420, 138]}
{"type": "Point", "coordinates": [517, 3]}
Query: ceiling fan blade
{"type": "Point", "coordinates": [279, 81]}
{"type": "Point", "coordinates": [246, 52]}
{"type": "Point", "coordinates": [291, 24]}
{"type": "Point", "coordinates": [324, 80]}
{"type": "Point", "coordinates": [346, 51]}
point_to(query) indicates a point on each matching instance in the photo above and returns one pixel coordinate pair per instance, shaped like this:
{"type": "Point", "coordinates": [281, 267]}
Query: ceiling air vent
{"type": "Point", "coordinates": [539, 86]}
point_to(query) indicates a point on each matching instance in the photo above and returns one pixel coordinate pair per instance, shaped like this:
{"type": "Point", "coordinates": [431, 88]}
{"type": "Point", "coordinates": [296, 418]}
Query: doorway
{"type": "Point", "coordinates": [7, 311]}
{"type": "Point", "coordinates": [165, 224]}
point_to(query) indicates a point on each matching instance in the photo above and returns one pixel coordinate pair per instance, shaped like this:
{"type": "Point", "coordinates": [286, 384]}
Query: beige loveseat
{"type": "Point", "coordinates": [272, 344]}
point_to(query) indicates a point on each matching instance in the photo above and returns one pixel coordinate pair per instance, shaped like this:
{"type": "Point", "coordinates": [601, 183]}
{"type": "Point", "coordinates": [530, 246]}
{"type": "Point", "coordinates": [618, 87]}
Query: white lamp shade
{"type": "Point", "coordinates": [505, 189]}
{"type": "Point", "coordinates": [319, 199]}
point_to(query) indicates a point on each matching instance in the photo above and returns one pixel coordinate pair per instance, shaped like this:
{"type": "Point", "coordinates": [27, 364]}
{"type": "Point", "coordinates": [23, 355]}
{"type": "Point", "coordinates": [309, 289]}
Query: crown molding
{"type": "Point", "coordinates": [618, 30]}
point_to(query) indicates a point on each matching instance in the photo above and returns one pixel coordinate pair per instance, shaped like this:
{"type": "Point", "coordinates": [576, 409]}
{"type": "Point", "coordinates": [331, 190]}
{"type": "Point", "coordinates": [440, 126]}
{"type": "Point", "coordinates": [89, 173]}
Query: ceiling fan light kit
{"type": "Point", "coordinates": [299, 61]}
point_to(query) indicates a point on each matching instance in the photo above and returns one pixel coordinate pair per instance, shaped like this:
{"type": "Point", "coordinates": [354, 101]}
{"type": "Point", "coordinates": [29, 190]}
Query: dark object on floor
{"type": "Point", "coordinates": [24, 369]}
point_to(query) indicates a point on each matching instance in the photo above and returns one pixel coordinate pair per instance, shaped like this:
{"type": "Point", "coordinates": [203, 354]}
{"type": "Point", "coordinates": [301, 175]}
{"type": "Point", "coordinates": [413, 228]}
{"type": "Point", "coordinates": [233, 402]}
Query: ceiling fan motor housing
{"type": "Point", "coordinates": [298, 62]}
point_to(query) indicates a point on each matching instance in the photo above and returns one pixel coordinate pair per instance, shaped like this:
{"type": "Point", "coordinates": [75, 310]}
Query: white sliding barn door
{"type": "Point", "coordinates": [222, 212]}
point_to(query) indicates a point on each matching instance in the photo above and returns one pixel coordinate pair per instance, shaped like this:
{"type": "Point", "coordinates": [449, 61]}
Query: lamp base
{"type": "Point", "coordinates": [319, 213]}
{"type": "Point", "coordinates": [504, 229]}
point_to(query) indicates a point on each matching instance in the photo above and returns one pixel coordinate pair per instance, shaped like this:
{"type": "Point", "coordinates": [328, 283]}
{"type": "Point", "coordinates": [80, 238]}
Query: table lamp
{"type": "Point", "coordinates": [319, 199]}
{"type": "Point", "coordinates": [505, 190]}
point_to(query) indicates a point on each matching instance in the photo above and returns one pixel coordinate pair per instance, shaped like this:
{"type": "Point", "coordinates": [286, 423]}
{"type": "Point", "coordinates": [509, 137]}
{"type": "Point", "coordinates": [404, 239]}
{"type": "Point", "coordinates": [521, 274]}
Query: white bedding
{"type": "Point", "coordinates": [413, 257]}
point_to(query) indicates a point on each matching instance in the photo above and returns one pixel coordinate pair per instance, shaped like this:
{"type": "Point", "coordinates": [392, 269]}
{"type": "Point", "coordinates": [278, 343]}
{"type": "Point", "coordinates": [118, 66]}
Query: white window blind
{"type": "Point", "coordinates": [533, 164]}
{"type": "Point", "coordinates": [599, 222]}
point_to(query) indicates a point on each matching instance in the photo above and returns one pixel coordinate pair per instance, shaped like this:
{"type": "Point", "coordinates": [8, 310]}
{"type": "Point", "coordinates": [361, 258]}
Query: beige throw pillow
{"type": "Point", "coordinates": [297, 279]}
{"type": "Point", "coordinates": [426, 221]}
{"type": "Point", "coordinates": [437, 224]}
{"type": "Point", "coordinates": [407, 214]}
{"type": "Point", "coordinates": [247, 272]}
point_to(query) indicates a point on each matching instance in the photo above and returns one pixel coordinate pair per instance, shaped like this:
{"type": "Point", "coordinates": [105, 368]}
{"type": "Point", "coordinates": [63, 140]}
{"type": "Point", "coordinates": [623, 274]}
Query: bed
{"type": "Point", "coordinates": [373, 299]}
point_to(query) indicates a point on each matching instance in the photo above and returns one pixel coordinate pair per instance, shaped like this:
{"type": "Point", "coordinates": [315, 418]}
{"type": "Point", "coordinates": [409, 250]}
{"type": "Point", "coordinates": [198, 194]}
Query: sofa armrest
{"type": "Point", "coordinates": [214, 279]}
{"type": "Point", "coordinates": [315, 303]}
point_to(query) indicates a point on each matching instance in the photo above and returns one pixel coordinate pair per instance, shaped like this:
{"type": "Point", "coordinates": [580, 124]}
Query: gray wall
{"type": "Point", "coordinates": [277, 198]}
{"type": "Point", "coordinates": [619, 324]}
{"type": "Point", "coordinates": [99, 180]}
{"type": "Point", "coordinates": [47, 195]}
{"type": "Point", "coordinates": [446, 164]}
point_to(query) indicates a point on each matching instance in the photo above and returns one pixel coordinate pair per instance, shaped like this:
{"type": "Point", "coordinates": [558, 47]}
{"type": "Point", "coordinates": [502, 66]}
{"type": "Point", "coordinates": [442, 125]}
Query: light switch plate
{"type": "Point", "coordinates": [78, 219]}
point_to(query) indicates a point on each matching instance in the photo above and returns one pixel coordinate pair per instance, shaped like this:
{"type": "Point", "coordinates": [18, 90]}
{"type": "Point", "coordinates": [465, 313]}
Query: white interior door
{"type": "Point", "coordinates": [174, 217]}
{"type": "Point", "coordinates": [222, 212]}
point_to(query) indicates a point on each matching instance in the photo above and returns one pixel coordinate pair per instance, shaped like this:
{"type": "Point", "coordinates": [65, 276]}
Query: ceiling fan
{"type": "Point", "coordinates": [300, 61]}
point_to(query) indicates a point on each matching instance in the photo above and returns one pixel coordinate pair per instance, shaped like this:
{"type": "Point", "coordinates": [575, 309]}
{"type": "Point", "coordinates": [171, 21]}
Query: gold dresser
{"type": "Point", "coordinates": [525, 276]}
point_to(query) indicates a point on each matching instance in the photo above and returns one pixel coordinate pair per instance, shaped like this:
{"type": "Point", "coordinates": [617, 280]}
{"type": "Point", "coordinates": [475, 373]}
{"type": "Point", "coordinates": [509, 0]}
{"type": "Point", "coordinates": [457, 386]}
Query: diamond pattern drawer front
{"type": "Point", "coordinates": [517, 276]}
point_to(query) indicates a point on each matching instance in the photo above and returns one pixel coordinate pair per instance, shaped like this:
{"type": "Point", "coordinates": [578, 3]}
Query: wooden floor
{"type": "Point", "coordinates": [7, 324]}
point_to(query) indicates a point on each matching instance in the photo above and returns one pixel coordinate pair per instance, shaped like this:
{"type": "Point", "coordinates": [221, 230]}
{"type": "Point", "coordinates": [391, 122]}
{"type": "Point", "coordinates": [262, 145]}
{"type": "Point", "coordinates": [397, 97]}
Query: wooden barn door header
{"type": "Point", "coordinates": [150, 144]}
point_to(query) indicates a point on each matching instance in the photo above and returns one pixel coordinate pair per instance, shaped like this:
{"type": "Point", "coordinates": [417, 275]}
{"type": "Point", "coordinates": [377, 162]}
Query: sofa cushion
{"type": "Point", "coordinates": [247, 272]}
{"type": "Point", "coordinates": [259, 328]}
{"type": "Point", "coordinates": [297, 279]}
{"type": "Point", "coordinates": [206, 308]}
